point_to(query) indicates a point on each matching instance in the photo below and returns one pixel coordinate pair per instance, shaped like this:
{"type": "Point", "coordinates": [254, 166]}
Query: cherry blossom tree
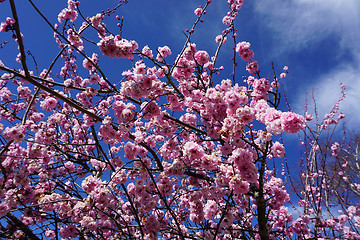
{"type": "Point", "coordinates": [344, 166]}
{"type": "Point", "coordinates": [328, 206]}
{"type": "Point", "coordinates": [169, 152]}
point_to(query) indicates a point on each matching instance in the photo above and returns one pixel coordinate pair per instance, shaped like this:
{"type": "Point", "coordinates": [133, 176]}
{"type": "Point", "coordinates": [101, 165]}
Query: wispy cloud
{"type": "Point", "coordinates": [296, 24]}
{"type": "Point", "coordinates": [327, 91]}
{"type": "Point", "coordinates": [299, 22]}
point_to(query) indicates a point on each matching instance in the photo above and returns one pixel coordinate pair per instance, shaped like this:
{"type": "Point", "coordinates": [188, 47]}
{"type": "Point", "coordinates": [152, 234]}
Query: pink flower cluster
{"type": "Point", "coordinates": [75, 39]}
{"type": "Point", "coordinates": [277, 121]}
{"type": "Point", "coordinates": [243, 48]}
{"type": "Point", "coordinates": [292, 122]}
{"type": "Point", "coordinates": [260, 87]}
{"type": "Point", "coordinates": [274, 187]}
{"type": "Point", "coordinates": [335, 148]}
{"type": "Point", "coordinates": [48, 104]}
{"type": "Point", "coordinates": [7, 25]}
{"type": "Point", "coordinates": [186, 63]}
{"type": "Point", "coordinates": [123, 112]}
{"type": "Point", "coordinates": [171, 151]}
{"type": "Point", "coordinates": [69, 12]}
{"type": "Point", "coordinates": [198, 11]}
{"type": "Point", "coordinates": [236, 4]}
{"type": "Point", "coordinates": [16, 133]}
{"type": "Point", "coordinates": [244, 161]}
{"type": "Point", "coordinates": [192, 152]}
{"type": "Point", "coordinates": [202, 57]}
{"type": "Point", "coordinates": [117, 47]}
{"type": "Point", "coordinates": [278, 150]}
{"type": "Point", "coordinates": [163, 52]}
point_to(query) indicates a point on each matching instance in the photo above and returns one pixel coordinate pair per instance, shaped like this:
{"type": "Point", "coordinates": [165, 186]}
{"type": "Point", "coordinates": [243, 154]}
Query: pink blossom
{"type": "Point", "coordinates": [50, 234]}
{"type": "Point", "coordinates": [219, 37]}
{"type": "Point", "coordinates": [283, 75]}
{"type": "Point", "coordinates": [16, 133]}
{"type": "Point", "coordinates": [152, 226]}
{"type": "Point", "coordinates": [248, 171]}
{"type": "Point", "coordinates": [163, 52]}
{"type": "Point", "coordinates": [243, 158]}
{"type": "Point", "coordinates": [69, 231]}
{"type": "Point", "coordinates": [130, 150]}
{"type": "Point", "coordinates": [278, 150]}
{"type": "Point", "coordinates": [243, 48]}
{"type": "Point", "coordinates": [202, 57]}
{"type": "Point", "coordinates": [90, 183]}
{"type": "Point", "coordinates": [95, 20]}
{"type": "Point", "coordinates": [335, 147]}
{"type": "Point", "coordinates": [239, 186]}
{"type": "Point", "coordinates": [189, 52]}
{"type": "Point", "coordinates": [236, 4]}
{"type": "Point", "coordinates": [4, 209]}
{"type": "Point", "coordinates": [177, 168]}
{"type": "Point", "coordinates": [91, 64]}
{"type": "Point", "coordinates": [7, 25]}
{"type": "Point", "coordinates": [5, 94]}
{"type": "Point", "coordinates": [66, 14]}
{"type": "Point", "coordinates": [184, 69]}
{"type": "Point", "coordinates": [174, 103]}
{"type": "Point", "coordinates": [261, 87]}
{"type": "Point", "coordinates": [193, 151]}
{"type": "Point", "coordinates": [209, 162]}
{"type": "Point", "coordinates": [119, 48]}
{"type": "Point", "coordinates": [227, 20]}
{"type": "Point", "coordinates": [272, 121]}
{"type": "Point", "coordinates": [234, 98]}
{"type": "Point", "coordinates": [210, 209]}
{"type": "Point", "coordinates": [260, 107]}
{"type": "Point", "coordinates": [341, 116]}
{"type": "Point", "coordinates": [164, 185]}
{"type": "Point", "coordinates": [75, 40]}
{"type": "Point", "coordinates": [189, 119]}
{"type": "Point", "coordinates": [150, 109]}
{"type": "Point", "coordinates": [48, 104]}
{"type": "Point", "coordinates": [308, 117]}
{"type": "Point", "coordinates": [292, 122]}
{"type": "Point", "coordinates": [343, 219]}
{"type": "Point", "coordinates": [198, 11]}
{"type": "Point", "coordinates": [138, 90]}
{"type": "Point", "coordinates": [300, 227]}
{"type": "Point", "coordinates": [147, 52]}
{"type": "Point", "coordinates": [252, 66]}
{"type": "Point", "coordinates": [228, 219]}
{"type": "Point", "coordinates": [4, 27]}
{"type": "Point", "coordinates": [88, 222]}
{"type": "Point", "coordinates": [246, 114]}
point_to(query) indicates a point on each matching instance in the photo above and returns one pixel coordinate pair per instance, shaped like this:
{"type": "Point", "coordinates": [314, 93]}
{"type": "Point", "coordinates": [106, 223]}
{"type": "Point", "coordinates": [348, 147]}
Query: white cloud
{"type": "Point", "coordinates": [297, 23]}
{"type": "Point", "coordinates": [327, 90]}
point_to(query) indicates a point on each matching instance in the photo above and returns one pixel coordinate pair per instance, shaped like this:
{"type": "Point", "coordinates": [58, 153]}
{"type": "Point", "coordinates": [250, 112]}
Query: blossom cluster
{"type": "Point", "coordinates": [7, 25]}
{"type": "Point", "coordinates": [115, 47]}
{"type": "Point", "coordinates": [69, 13]}
{"type": "Point", "coordinates": [170, 151]}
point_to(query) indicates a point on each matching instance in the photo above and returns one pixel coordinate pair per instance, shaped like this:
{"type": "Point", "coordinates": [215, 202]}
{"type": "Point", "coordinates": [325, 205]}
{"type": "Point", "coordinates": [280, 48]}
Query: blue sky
{"type": "Point", "coordinates": [318, 40]}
